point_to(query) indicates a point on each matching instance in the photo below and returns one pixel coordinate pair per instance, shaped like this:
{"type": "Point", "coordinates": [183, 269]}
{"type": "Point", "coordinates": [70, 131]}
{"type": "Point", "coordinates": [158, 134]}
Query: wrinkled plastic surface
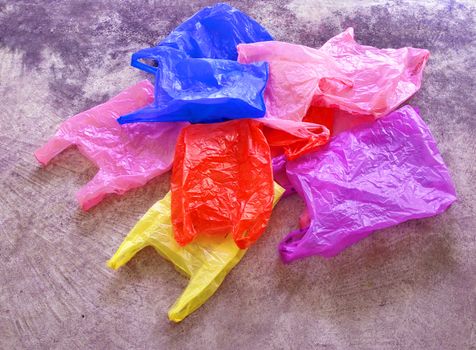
{"type": "Point", "coordinates": [371, 177]}
{"type": "Point", "coordinates": [197, 76]}
{"type": "Point", "coordinates": [202, 90]}
{"type": "Point", "coordinates": [205, 261]}
{"type": "Point", "coordinates": [127, 156]}
{"type": "Point", "coordinates": [222, 176]}
{"type": "Point", "coordinates": [294, 139]}
{"type": "Point", "coordinates": [360, 80]}
{"type": "Point", "coordinates": [222, 181]}
{"type": "Point", "coordinates": [280, 175]}
{"type": "Point", "coordinates": [213, 32]}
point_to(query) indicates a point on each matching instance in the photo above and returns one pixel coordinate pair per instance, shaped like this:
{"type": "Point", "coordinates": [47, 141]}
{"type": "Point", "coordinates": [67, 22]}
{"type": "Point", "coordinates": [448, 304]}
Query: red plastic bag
{"type": "Point", "coordinates": [222, 177]}
{"type": "Point", "coordinates": [297, 141]}
{"type": "Point", "coordinates": [222, 181]}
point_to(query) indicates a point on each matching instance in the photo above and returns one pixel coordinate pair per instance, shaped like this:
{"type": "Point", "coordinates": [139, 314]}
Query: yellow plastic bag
{"type": "Point", "coordinates": [206, 261]}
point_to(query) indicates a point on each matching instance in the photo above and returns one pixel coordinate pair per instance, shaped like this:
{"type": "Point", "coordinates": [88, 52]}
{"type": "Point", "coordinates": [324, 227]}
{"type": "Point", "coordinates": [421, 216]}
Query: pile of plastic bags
{"type": "Point", "coordinates": [241, 119]}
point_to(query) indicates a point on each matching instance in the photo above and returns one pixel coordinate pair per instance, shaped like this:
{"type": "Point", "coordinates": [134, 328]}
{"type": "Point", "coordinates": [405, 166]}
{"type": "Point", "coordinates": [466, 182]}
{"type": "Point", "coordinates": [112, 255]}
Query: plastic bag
{"type": "Point", "coordinates": [360, 80]}
{"type": "Point", "coordinates": [222, 177]}
{"type": "Point", "coordinates": [222, 181]}
{"type": "Point", "coordinates": [213, 32]}
{"type": "Point", "coordinates": [368, 178]}
{"type": "Point", "coordinates": [206, 261]}
{"type": "Point", "coordinates": [280, 176]}
{"type": "Point", "coordinates": [202, 90]}
{"type": "Point", "coordinates": [197, 78]}
{"type": "Point", "coordinates": [127, 156]}
{"type": "Point", "coordinates": [296, 140]}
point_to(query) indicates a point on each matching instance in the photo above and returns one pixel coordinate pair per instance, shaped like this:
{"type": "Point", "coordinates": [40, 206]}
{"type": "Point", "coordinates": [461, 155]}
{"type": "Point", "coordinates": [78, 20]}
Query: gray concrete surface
{"type": "Point", "coordinates": [409, 287]}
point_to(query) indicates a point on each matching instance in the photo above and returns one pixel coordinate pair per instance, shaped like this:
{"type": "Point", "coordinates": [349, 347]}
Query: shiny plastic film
{"type": "Point", "coordinates": [206, 261]}
{"type": "Point", "coordinates": [344, 75]}
{"type": "Point", "coordinates": [213, 32]}
{"type": "Point", "coordinates": [373, 176]}
{"type": "Point", "coordinates": [201, 90]}
{"type": "Point", "coordinates": [197, 78]}
{"type": "Point", "coordinates": [222, 182]}
{"type": "Point", "coordinates": [127, 156]}
{"type": "Point", "coordinates": [294, 139]}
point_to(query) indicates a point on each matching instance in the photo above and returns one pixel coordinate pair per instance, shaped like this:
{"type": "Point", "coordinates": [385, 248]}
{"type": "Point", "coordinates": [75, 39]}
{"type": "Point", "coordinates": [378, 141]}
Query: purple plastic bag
{"type": "Point", "coordinates": [367, 178]}
{"type": "Point", "coordinates": [280, 176]}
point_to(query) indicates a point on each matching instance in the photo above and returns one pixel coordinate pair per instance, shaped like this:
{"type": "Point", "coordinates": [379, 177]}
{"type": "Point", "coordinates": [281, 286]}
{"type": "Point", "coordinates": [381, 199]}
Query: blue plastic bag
{"type": "Point", "coordinates": [201, 90]}
{"type": "Point", "coordinates": [197, 78]}
{"type": "Point", "coordinates": [213, 32]}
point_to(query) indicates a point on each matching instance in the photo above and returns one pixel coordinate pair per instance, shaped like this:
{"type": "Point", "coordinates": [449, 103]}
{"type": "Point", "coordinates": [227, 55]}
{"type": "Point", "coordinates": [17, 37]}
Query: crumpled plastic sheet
{"type": "Point", "coordinates": [294, 139]}
{"type": "Point", "coordinates": [222, 177]}
{"type": "Point", "coordinates": [197, 78]}
{"type": "Point", "coordinates": [201, 90]}
{"type": "Point", "coordinates": [367, 178]}
{"type": "Point", "coordinates": [127, 156]}
{"type": "Point", "coordinates": [222, 181]}
{"type": "Point", "coordinates": [342, 75]}
{"type": "Point", "coordinates": [280, 175]}
{"type": "Point", "coordinates": [206, 261]}
{"type": "Point", "coordinates": [213, 32]}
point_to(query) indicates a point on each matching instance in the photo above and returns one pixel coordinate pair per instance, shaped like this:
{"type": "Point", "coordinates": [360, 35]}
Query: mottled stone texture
{"type": "Point", "coordinates": [409, 287]}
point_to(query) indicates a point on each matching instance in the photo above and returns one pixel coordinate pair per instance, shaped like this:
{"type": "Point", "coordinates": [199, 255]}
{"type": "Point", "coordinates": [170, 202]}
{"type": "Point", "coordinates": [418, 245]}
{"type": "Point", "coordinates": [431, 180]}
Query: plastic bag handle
{"type": "Point", "coordinates": [139, 55]}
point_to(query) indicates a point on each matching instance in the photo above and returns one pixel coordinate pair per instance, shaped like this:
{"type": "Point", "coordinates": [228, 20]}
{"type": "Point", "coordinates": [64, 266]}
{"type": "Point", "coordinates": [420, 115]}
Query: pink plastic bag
{"type": "Point", "coordinates": [357, 79]}
{"type": "Point", "coordinates": [127, 156]}
{"type": "Point", "coordinates": [367, 178]}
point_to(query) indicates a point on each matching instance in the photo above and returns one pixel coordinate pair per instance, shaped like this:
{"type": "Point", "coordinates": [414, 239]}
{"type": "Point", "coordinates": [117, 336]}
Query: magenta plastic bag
{"type": "Point", "coordinates": [127, 156]}
{"type": "Point", "coordinates": [280, 176]}
{"type": "Point", "coordinates": [368, 178]}
{"type": "Point", "coordinates": [357, 79]}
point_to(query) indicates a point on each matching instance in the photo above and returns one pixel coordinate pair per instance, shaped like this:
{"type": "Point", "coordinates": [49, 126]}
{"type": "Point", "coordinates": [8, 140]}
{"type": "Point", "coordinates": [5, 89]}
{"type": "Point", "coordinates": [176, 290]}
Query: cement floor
{"type": "Point", "coordinates": [409, 287]}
